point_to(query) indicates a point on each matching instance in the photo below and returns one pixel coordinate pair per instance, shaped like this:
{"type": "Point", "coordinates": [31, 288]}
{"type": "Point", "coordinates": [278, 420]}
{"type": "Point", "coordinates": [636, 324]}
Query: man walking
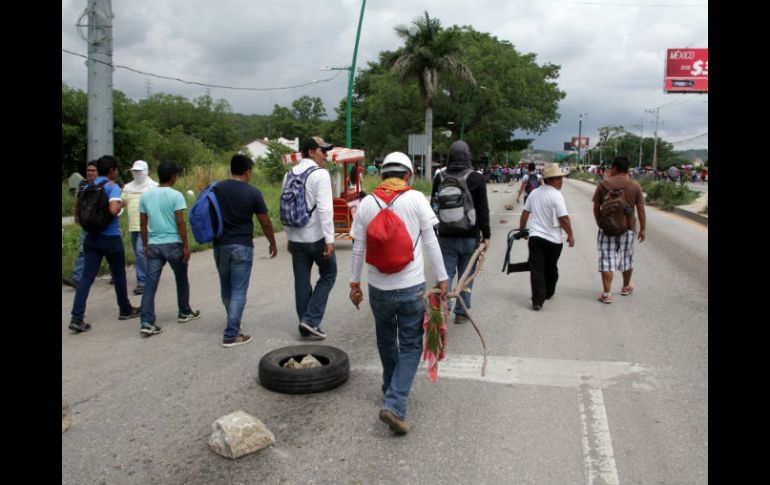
{"type": "Point", "coordinates": [396, 297]}
{"type": "Point", "coordinates": [616, 252]}
{"type": "Point", "coordinates": [108, 244]}
{"type": "Point", "coordinates": [132, 191]}
{"type": "Point", "coordinates": [549, 217]}
{"type": "Point", "coordinates": [458, 243]}
{"type": "Point", "coordinates": [234, 250]}
{"type": "Point", "coordinates": [77, 270]}
{"type": "Point", "coordinates": [311, 240]}
{"type": "Point", "coordinates": [529, 182]}
{"type": "Point", "coordinates": [164, 239]}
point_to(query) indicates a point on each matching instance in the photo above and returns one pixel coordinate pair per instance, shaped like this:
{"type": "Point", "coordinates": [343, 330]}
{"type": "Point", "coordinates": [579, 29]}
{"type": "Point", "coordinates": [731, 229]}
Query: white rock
{"type": "Point", "coordinates": [238, 434]}
{"type": "Point", "coordinates": [309, 362]}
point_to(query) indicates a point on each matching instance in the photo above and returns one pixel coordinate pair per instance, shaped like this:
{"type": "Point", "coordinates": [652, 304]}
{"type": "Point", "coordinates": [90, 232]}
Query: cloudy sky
{"type": "Point", "coordinates": [611, 52]}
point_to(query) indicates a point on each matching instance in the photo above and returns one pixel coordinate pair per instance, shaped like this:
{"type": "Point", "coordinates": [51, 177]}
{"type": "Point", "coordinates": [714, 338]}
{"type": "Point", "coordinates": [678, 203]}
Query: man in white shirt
{"type": "Point", "coordinates": [313, 242]}
{"type": "Point", "coordinates": [549, 217]}
{"type": "Point", "coordinates": [396, 298]}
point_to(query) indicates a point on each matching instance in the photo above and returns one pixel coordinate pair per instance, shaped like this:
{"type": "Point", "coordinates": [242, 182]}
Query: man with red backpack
{"type": "Point", "coordinates": [386, 231]}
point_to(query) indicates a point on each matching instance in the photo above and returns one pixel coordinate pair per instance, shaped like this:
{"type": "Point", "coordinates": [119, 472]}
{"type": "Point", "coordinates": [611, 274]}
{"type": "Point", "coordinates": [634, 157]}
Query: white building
{"type": "Point", "coordinates": [258, 148]}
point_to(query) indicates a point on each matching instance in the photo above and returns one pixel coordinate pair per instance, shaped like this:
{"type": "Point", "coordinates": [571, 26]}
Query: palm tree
{"type": "Point", "coordinates": [428, 50]}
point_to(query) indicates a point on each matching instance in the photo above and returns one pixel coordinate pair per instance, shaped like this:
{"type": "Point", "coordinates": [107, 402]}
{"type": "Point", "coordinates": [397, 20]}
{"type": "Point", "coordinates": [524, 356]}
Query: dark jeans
{"type": "Point", "coordinates": [96, 247]}
{"type": "Point", "coordinates": [398, 316]}
{"type": "Point", "coordinates": [543, 273]}
{"type": "Point", "coordinates": [157, 256]}
{"type": "Point", "coordinates": [234, 263]}
{"type": "Point", "coordinates": [457, 252]}
{"type": "Point", "coordinates": [311, 303]}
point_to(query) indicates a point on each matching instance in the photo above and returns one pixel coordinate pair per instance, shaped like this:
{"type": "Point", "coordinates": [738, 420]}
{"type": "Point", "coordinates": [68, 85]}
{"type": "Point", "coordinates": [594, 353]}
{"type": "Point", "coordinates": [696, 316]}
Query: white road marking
{"type": "Point", "coordinates": [541, 372]}
{"type": "Point", "coordinates": [598, 455]}
{"type": "Point", "coordinates": [588, 377]}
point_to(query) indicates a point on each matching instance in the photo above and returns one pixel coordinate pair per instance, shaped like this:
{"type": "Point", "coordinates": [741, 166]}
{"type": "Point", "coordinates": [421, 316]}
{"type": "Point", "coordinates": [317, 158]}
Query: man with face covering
{"type": "Point", "coordinates": [131, 194]}
{"type": "Point", "coordinates": [457, 247]}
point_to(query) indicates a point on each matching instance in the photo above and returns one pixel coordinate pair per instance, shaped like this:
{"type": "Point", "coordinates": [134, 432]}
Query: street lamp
{"type": "Point", "coordinates": [465, 109]}
{"type": "Point", "coordinates": [352, 70]}
{"type": "Point", "coordinates": [580, 134]}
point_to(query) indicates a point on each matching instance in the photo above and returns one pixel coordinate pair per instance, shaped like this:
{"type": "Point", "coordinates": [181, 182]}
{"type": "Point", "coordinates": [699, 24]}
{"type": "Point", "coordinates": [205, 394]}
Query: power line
{"type": "Point", "coordinates": [202, 84]}
{"type": "Point", "coordinates": [690, 139]}
{"type": "Point", "coordinates": [631, 4]}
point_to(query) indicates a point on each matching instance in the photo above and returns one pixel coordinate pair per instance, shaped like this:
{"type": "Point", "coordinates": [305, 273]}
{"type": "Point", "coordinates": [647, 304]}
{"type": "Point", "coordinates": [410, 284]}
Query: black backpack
{"type": "Point", "coordinates": [456, 213]}
{"type": "Point", "coordinates": [533, 182]}
{"type": "Point", "coordinates": [94, 208]}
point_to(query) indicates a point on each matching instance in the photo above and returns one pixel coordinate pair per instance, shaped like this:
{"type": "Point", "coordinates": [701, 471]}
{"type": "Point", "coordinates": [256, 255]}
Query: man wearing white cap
{"type": "Point", "coordinates": [396, 278]}
{"type": "Point", "coordinates": [131, 194]}
{"type": "Point", "coordinates": [549, 217]}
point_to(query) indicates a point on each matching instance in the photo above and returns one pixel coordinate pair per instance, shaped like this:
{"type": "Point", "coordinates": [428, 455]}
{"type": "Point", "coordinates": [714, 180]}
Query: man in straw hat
{"type": "Point", "coordinates": [549, 217]}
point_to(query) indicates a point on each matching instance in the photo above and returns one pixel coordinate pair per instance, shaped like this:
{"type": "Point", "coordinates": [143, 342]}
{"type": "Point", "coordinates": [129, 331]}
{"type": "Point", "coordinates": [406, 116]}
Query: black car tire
{"type": "Point", "coordinates": [333, 372]}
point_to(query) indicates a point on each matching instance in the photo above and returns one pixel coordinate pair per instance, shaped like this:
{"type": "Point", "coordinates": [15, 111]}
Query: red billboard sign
{"type": "Point", "coordinates": [687, 71]}
{"type": "Point", "coordinates": [583, 142]}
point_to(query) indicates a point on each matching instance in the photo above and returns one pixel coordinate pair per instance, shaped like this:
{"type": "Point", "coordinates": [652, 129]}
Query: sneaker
{"type": "Point", "coordinates": [605, 298]}
{"type": "Point", "coordinates": [138, 290]}
{"type": "Point", "coordinates": [461, 318]}
{"type": "Point", "coordinates": [627, 290]}
{"type": "Point", "coordinates": [79, 326]}
{"type": "Point", "coordinates": [395, 423]}
{"type": "Point", "coordinates": [135, 312]}
{"type": "Point", "coordinates": [303, 332]}
{"type": "Point", "coordinates": [186, 317]}
{"type": "Point", "coordinates": [239, 340]}
{"type": "Point", "coordinates": [70, 281]}
{"type": "Point", "coordinates": [316, 332]}
{"type": "Point", "coordinates": [150, 329]}
{"type": "Point", "coordinates": [537, 308]}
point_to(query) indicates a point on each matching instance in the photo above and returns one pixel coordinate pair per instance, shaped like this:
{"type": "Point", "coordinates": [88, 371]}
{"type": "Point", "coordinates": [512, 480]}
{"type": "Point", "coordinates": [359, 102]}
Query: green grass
{"type": "Point", "coordinates": [666, 194]}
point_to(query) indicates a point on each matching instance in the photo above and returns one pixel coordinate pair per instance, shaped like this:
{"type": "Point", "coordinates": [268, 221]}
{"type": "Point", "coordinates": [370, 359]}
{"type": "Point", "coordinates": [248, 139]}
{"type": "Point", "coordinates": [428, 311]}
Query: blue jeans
{"type": "Point", "coordinates": [457, 252]}
{"type": "Point", "coordinates": [157, 256]}
{"type": "Point", "coordinates": [311, 303]}
{"type": "Point", "coordinates": [234, 267]}
{"type": "Point", "coordinates": [95, 247]}
{"type": "Point", "coordinates": [141, 264]}
{"type": "Point", "coordinates": [77, 271]}
{"type": "Point", "coordinates": [398, 316]}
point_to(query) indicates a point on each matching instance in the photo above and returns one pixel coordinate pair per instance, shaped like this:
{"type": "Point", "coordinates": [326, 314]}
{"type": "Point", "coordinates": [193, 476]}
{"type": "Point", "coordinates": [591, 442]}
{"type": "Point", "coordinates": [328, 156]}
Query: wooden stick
{"type": "Point", "coordinates": [462, 286]}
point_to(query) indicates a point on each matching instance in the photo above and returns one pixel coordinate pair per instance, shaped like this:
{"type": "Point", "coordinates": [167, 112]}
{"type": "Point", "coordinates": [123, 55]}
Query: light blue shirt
{"type": "Point", "coordinates": [113, 193]}
{"type": "Point", "coordinates": [160, 204]}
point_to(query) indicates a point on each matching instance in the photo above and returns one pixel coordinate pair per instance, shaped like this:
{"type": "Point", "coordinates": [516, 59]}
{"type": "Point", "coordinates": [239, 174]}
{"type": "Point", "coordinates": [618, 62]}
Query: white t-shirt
{"type": "Point", "coordinates": [546, 205]}
{"type": "Point", "coordinates": [419, 218]}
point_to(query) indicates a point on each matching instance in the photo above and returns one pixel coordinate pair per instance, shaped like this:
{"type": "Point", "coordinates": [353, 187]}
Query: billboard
{"type": "Point", "coordinates": [583, 142]}
{"type": "Point", "coordinates": [687, 71]}
{"type": "Point", "coordinates": [567, 146]}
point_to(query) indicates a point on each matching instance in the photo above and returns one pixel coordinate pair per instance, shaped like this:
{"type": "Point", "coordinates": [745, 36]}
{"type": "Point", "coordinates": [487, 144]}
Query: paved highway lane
{"type": "Point", "coordinates": [577, 393]}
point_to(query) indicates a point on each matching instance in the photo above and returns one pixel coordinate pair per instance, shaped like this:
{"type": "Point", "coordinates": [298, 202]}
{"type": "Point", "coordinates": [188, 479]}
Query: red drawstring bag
{"type": "Point", "coordinates": [388, 244]}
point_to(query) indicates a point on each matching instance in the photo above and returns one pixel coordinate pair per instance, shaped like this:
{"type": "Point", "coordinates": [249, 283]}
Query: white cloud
{"type": "Point", "coordinates": [611, 58]}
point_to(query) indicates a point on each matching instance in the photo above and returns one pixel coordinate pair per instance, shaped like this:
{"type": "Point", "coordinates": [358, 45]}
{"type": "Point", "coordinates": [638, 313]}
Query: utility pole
{"type": "Point", "coordinates": [655, 149]}
{"type": "Point", "coordinates": [149, 87]}
{"type": "Point", "coordinates": [580, 134]}
{"type": "Point", "coordinates": [641, 139]}
{"type": "Point", "coordinates": [99, 65]}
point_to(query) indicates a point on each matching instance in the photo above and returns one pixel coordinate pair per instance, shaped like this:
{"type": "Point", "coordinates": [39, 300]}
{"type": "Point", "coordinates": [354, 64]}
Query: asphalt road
{"type": "Point", "coordinates": [579, 392]}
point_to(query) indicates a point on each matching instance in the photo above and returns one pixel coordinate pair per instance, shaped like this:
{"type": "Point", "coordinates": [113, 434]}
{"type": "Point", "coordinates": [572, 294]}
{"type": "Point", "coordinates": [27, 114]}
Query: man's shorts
{"type": "Point", "coordinates": [616, 253]}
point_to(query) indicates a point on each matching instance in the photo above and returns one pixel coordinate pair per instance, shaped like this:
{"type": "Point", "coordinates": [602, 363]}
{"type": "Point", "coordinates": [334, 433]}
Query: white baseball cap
{"type": "Point", "coordinates": [140, 166]}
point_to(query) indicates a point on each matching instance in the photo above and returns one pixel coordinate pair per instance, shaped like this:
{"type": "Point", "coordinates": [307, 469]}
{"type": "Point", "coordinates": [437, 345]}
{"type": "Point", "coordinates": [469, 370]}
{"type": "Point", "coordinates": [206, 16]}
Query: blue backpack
{"type": "Point", "coordinates": [294, 211]}
{"type": "Point", "coordinates": [205, 217]}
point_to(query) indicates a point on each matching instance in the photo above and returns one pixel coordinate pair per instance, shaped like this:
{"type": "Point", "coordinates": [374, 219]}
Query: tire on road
{"type": "Point", "coordinates": [333, 372]}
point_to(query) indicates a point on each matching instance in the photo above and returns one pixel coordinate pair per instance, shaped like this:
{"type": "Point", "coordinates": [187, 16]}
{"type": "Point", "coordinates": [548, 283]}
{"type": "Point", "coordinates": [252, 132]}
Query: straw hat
{"type": "Point", "coordinates": [552, 170]}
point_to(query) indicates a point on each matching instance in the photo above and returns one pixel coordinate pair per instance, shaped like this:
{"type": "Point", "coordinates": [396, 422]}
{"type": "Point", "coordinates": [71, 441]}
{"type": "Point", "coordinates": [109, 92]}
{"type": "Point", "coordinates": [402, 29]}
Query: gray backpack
{"type": "Point", "coordinates": [456, 213]}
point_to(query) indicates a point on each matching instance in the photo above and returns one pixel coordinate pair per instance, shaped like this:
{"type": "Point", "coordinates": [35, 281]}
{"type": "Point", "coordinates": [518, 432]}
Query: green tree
{"type": "Point", "coordinates": [74, 116]}
{"type": "Point", "coordinates": [272, 165]}
{"type": "Point", "coordinates": [428, 50]}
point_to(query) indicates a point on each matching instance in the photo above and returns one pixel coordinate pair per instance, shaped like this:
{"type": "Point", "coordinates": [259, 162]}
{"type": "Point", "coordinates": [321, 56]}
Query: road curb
{"type": "Point", "coordinates": [693, 216]}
